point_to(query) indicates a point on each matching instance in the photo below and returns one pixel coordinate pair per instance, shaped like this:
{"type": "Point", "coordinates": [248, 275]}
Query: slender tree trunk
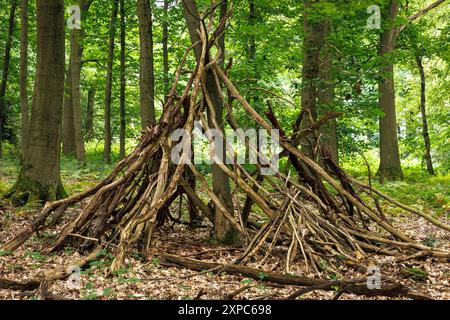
{"type": "Point", "coordinates": [76, 52]}
{"type": "Point", "coordinates": [76, 41]}
{"type": "Point", "coordinates": [390, 166]}
{"type": "Point", "coordinates": [23, 73]}
{"type": "Point", "coordinates": [73, 140]}
{"type": "Point", "coordinates": [5, 71]}
{"type": "Point", "coordinates": [252, 40]}
{"type": "Point", "coordinates": [221, 40]}
{"type": "Point", "coordinates": [165, 43]}
{"type": "Point", "coordinates": [68, 128]}
{"type": "Point", "coordinates": [223, 231]}
{"type": "Point", "coordinates": [89, 125]}
{"type": "Point", "coordinates": [147, 79]}
{"type": "Point", "coordinates": [39, 177]}
{"type": "Point", "coordinates": [423, 111]}
{"type": "Point", "coordinates": [122, 80]}
{"type": "Point", "coordinates": [254, 98]}
{"type": "Point", "coordinates": [251, 55]}
{"type": "Point", "coordinates": [108, 88]}
{"type": "Point", "coordinates": [315, 35]}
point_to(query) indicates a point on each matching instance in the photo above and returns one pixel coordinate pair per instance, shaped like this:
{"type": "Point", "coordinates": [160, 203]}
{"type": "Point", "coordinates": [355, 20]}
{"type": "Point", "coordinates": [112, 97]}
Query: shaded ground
{"type": "Point", "coordinates": [151, 280]}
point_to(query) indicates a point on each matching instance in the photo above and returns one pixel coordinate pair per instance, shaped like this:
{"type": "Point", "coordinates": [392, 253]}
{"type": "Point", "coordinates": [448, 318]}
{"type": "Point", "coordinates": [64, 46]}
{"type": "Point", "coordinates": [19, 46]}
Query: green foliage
{"type": "Point", "coordinates": [108, 292]}
{"type": "Point", "coordinates": [416, 274]}
{"type": "Point", "coordinates": [36, 256]}
{"type": "Point", "coordinates": [418, 189]}
{"type": "Point", "coordinates": [156, 262]}
{"type": "Point", "coordinates": [262, 276]}
{"type": "Point", "coordinates": [5, 253]}
{"type": "Point", "coordinates": [430, 241]}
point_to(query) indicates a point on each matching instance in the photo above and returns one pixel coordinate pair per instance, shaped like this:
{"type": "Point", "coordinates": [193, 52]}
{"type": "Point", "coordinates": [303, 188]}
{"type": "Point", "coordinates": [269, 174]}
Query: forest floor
{"type": "Point", "coordinates": [148, 278]}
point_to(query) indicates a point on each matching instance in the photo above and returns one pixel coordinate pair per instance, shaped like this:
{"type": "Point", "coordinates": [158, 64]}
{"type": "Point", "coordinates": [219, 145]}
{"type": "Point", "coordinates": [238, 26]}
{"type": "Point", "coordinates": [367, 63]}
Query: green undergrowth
{"type": "Point", "coordinates": [418, 189]}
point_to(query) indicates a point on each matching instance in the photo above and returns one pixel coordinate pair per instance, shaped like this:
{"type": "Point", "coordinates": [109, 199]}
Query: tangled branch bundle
{"type": "Point", "coordinates": [321, 210]}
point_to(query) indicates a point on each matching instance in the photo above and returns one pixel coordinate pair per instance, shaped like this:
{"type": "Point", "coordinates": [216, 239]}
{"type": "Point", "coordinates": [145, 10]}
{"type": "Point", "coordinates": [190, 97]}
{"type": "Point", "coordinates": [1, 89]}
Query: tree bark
{"type": "Point", "coordinates": [5, 71]}
{"type": "Point", "coordinates": [252, 41]}
{"type": "Point", "coordinates": [223, 230]}
{"type": "Point", "coordinates": [325, 98]}
{"type": "Point", "coordinates": [251, 56]}
{"type": "Point", "coordinates": [76, 52]}
{"type": "Point", "coordinates": [122, 80]}
{"type": "Point", "coordinates": [39, 178]}
{"type": "Point", "coordinates": [68, 128]}
{"type": "Point", "coordinates": [390, 166]}
{"type": "Point", "coordinates": [89, 122]}
{"type": "Point", "coordinates": [221, 40]}
{"type": "Point", "coordinates": [23, 75]}
{"type": "Point", "coordinates": [147, 78]}
{"type": "Point", "coordinates": [165, 43]}
{"type": "Point", "coordinates": [73, 140]}
{"type": "Point", "coordinates": [108, 88]}
{"type": "Point", "coordinates": [423, 111]}
{"type": "Point", "coordinates": [315, 34]}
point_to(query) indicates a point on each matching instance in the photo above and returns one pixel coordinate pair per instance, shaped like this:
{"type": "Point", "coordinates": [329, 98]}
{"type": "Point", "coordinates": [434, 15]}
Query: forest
{"type": "Point", "coordinates": [225, 150]}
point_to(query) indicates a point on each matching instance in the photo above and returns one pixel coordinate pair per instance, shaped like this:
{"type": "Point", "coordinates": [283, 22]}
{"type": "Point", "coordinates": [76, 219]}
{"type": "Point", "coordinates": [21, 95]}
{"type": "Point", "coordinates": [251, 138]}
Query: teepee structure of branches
{"type": "Point", "coordinates": [320, 209]}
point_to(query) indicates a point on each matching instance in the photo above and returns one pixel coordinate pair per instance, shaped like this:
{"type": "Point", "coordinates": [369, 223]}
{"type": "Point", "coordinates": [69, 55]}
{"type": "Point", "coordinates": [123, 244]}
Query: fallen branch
{"type": "Point", "coordinates": [36, 282]}
{"type": "Point", "coordinates": [351, 287]}
{"type": "Point", "coordinates": [235, 293]}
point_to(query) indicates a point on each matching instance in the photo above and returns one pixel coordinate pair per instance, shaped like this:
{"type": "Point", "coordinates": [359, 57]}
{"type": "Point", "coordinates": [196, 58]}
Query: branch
{"type": "Point", "coordinates": [421, 13]}
{"type": "Point", "coordinates": [36, 282]}
{"type": "Point", "coordinates": [350, 286]}
{"type": "Point", "coordinates": [95, 61]}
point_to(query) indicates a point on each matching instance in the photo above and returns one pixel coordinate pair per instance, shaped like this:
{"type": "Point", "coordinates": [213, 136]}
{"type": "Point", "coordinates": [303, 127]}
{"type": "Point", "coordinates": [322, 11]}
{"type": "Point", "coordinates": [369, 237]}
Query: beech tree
{"type": "Point", "coordinates": [147, 78]}
{"type": "Point", "coordinates": [39, 178]}
{"type": "Point", "coordinates": [5, 69]}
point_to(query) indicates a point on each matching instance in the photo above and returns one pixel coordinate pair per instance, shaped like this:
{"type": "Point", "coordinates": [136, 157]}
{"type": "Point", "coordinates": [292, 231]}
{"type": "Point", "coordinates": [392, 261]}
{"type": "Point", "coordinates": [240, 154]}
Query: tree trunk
{"type": "Point", "coordinates": [423, 111]}
{"type": "Point", "coordinates": [147, 79]}
{"type": "Point", "coordinates": [325, 97]}
{"type": "Point", "coordinates": [68, 128]}
{"type": "Point", "coordinates": [221, 40]}
{"type": "Point", "coordinates": [251, 55]}
{"type": "Point", "coordinates": [108, 88]}
{"type": "Point", "coordinates": [75, 58]}
{"type": "Point", "coordinates": [76, 44]}
{"type": "Point", "coordinates": [5, 71]}
{"type": "Point", "coordinates": [252, 40]}
{"type": "Point", "coordinates": [315, 35]}
{"type": "Point", "coordinates": [23, 73]}
{"type": "Point", "coordinates": [122, 80]}
{"type": "Point", "coordinates": [390, 166]}
{"type": "Point", "coordinates": [39, 177]}
{"type": "Point", "coordinates": [165, 43]}
{"type": "Point", "coordinates": [223, 230]}
{"type": "Point", "coordinates": [89, 124]}
{"type": "Point", "coordinates": [73, 140]}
